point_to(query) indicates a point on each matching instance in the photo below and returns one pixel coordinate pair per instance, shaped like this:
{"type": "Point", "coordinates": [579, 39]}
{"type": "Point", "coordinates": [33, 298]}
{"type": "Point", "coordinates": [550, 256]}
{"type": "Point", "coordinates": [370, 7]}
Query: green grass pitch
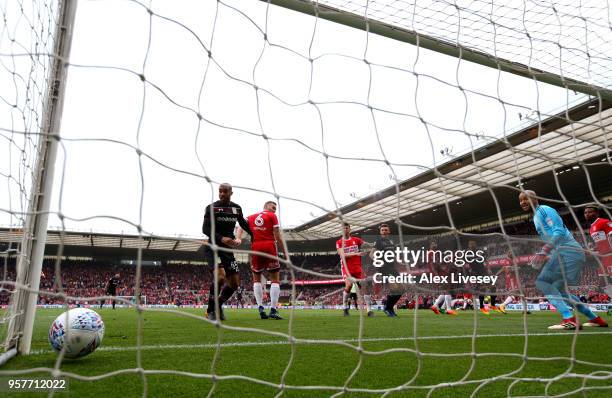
{"type": "Point", "coordinates": [176, 345]}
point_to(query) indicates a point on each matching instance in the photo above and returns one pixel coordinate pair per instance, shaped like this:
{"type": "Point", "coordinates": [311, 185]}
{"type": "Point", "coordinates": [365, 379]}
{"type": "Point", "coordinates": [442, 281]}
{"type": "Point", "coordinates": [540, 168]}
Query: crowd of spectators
{"type": "Point", "coordinates": [187, 284]}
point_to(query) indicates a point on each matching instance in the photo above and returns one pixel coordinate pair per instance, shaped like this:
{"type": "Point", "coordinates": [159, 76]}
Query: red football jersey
{"type": "Point", "coordinates": [351, 245]}
{"type": "Point", "coordinates": [601, 232]}
{"type": "Point", "coordinates": [262, 225]}
{"type": "Point", "coordinates": [510, 277]}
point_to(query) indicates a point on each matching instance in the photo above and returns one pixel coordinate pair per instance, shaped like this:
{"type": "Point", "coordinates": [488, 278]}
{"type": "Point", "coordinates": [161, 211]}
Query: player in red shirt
{"type": "Point", "coordinates": [266, 235]}
{"type": "Point", "coordinates": [601, 233]}
{"type": "Point", "coordinates": [512, 283]}
{"type": "Point", "coordinates": [349, 249]}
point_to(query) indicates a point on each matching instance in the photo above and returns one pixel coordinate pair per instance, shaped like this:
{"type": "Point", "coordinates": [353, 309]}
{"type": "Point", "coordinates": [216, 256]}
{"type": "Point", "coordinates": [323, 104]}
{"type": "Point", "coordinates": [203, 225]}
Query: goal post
{"type": "Point", "coordinates": [29, 265]}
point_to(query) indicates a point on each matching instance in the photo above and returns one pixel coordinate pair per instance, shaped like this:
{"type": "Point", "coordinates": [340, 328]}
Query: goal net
{"type": "Point", "coordinates": [119, 120]}
{"type": "Point", "coordinates": [32, 40]}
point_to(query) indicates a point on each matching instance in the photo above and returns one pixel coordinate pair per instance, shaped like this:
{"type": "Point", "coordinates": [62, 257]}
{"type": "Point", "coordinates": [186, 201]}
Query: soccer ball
{"type": "Point", "coordinates": [78, 331]}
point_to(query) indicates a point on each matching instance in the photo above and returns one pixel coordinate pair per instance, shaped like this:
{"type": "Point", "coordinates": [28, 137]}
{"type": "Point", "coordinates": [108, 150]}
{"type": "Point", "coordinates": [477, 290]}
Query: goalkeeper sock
{"type": "Point", "coordinates": [274, 294]}
{"type": "Point", "coordinates": [344, 298]}
{"type": "Point", "coordinates": [554, 297]}
{"type": "Point", "coordinates": [476, 303]}
{"type": "Point", "coordinates": [508, 300]}
{"type": "Point", "coordinates": [258, 292]}
{"type": "Point", "coordinates": [225, 295]}
{"type": "Point", "coordinates": [439, 301]}
{"type": "Point", "coordinates": [368, 302]}
{"type": "Point", "coordinates": [582, 308]}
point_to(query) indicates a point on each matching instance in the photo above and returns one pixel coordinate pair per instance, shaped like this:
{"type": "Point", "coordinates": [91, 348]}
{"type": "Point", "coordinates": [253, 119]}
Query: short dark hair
{"type": "Point", "coordinates": [345, 224]}
{"type": "Point", "coordinates": [269, 202]}
{"type": "Point", "coordinates": [383, 226]}
{"type": "Point", "coordinates": [592, 207]}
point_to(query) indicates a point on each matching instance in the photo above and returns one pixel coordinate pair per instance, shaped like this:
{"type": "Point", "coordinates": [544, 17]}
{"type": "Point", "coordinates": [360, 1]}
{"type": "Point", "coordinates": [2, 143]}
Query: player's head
{"type": "Point", "coordinates": [117, 275]}
{"type": "Point", "coordinates": [346, 229]}
{"type": "Point", "coordinates": [384, 230]}
{"type": "Point", "coordinates": [270, 206]}
{"type": "Point", "coordinates": [528, 200]}
{"type": "Point", "coordinates": [472, 244]}
{"type": "Point", "coordinates": [591, 213]}
{"type": "Point", "coordinates": [225, 192]}
{"type": "Point", "coordinates": [433, 245]}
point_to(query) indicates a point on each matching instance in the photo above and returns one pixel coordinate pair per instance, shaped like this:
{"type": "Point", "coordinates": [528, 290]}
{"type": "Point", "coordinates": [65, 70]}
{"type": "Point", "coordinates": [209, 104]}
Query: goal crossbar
{"type": "Point", "coordinates": [453, 49]}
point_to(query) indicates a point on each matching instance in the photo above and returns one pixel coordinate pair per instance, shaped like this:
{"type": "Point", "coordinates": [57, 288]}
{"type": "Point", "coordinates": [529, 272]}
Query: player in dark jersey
{"type": "Point", "coordinates": [353, 297]}
{"type": "Point", "coordinates": [111, 288]}
{"type": "Point", "coordinates": [220, 219]}
{"type": "Point", "coordinates": [239, 297]}
{"type": "Point", "coordinates": [384, 244]}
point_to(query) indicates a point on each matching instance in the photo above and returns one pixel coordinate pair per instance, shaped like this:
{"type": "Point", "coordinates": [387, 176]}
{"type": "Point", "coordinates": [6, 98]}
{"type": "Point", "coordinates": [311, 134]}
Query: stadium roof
{"type": "Point", "coordinates": [537, 150]}
{"type": "Point", "coordinates": [93, 244]}
{"type": "Point", "coordinates": [574, 156]}
{"type": "Point", "coordinates": [121, 246]}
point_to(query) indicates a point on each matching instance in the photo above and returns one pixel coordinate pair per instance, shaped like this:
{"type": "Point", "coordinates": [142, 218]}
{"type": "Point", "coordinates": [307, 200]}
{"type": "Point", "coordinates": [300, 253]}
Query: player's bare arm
{"type": "Point", "coordinates": [239, 234]}
{"type": "Point", "coordinates": [281, 242]}
{"type": "Point", "coordinates": [243, 225]}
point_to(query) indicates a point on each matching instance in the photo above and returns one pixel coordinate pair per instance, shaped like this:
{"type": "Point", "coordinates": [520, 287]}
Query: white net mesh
{"type": "Point", "coordinates": [335, 124]}
{"type": "Point", "coordinates": [557, 37]}
{"type": "Point", "coordinates": [26, 49]}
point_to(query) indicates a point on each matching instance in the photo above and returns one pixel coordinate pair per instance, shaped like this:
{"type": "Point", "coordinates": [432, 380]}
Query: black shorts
{"type": "Point", "coordinates": [226, 260]}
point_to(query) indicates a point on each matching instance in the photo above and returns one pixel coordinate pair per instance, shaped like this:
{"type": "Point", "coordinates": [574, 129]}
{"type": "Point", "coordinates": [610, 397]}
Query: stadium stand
{"type": "Point", "coordinates": [187, 284]}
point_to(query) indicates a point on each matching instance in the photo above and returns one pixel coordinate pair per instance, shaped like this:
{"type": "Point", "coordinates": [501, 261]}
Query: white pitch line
{"type": "Point", "coordinates": [310, 341]}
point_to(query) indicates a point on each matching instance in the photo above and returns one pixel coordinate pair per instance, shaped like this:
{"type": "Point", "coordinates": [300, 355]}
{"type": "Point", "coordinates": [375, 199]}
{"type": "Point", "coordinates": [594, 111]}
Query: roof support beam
{"type": "Point", "coordinates": [535, 131]}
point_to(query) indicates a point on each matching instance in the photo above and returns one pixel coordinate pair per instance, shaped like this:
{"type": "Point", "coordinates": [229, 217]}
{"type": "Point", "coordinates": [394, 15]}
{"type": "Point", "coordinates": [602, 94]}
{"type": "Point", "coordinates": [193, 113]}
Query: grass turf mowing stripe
{"type": "Point", "coordinates": [317, 341]}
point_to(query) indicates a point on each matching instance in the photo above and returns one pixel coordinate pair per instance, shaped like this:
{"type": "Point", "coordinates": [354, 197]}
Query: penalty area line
{"type": "Point", "coordinates": [314, 342]}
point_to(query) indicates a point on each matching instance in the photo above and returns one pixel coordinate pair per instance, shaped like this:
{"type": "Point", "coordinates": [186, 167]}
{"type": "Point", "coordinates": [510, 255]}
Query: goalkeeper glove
{"type": "Point", "coordinates": [541, 257]}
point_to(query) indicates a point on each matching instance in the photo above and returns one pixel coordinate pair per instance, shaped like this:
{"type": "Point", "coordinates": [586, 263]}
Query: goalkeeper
{"type": "Point", "coordinates": [560, 259]}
